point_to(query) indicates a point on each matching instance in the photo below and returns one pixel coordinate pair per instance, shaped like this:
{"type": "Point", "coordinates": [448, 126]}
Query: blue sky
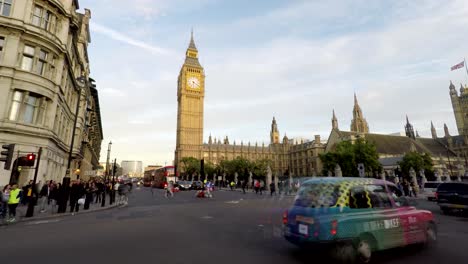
{"type": "Point", "coordinates": [296, 60]}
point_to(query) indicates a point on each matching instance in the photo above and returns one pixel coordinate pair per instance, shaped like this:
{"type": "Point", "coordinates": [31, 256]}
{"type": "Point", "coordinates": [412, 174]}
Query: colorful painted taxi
{"type": "Point", "coordinates": [355, 217]}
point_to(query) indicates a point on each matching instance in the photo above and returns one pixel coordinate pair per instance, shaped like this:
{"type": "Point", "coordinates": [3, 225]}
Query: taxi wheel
{"type": "Point", "coordinates": [344, 253]}
{"type": "Point", "coordinates": [364, 250]}
{"type": "Point", "coordinates": [446, 211]}
{"type": "Point", "coordinates": [431, 235]}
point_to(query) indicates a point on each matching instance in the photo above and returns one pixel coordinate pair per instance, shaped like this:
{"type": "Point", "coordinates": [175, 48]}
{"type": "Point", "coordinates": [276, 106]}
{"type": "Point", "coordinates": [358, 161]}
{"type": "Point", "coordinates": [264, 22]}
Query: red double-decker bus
{"type": "Point", "coordinates": [159, 177]}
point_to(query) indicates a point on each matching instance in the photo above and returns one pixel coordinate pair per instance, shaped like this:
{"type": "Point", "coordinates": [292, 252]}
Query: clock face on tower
{"type": "Point", "coordinates": [193, 82]}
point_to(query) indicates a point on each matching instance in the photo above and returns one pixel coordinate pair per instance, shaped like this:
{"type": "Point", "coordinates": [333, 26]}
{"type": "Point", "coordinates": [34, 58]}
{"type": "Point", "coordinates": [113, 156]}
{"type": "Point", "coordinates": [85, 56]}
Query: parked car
{"type": "Point", "coordinates": [185, 185]}
{"type": "Point", "coordinates": [429, 189]}
{"type": "Point", "coordinates": [197, 185]}
{"type": "Point", "coordinates": [452, 196]}
{"type": "Point", "coordinates": [354, 217]}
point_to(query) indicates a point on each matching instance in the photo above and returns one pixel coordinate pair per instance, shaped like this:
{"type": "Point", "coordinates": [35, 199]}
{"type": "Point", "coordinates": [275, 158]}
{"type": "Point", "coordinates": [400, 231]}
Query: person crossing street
{"type": "Point", "coordinates": [169, 192]}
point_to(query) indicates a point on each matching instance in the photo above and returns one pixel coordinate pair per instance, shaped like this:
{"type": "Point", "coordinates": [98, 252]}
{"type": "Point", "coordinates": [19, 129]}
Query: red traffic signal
{"type": "Point", "coordinates": [31, 157]}
{"type": "Point", "coordinates": [27, 161]}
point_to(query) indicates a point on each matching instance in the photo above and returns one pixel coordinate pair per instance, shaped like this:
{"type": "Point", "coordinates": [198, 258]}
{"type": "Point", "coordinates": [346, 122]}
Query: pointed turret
{"type": "Point", "coordinates": [417, 134]}
{"type": "Point", "coordinates": [462, 89]}
{"type": "Point", "coordinates": [458, 110]}
{"type": "Point", "coordinates": [192, 42]}
{"type": "Point", "coordinates": [452, 88]}
{"type": "Point", "coordinates": [334, 121]}
{"type": "Point", "coordinates": [433, 131]}
{"type": "Point", "coordinates": [210, 140]}
{"type": "Point", "coordinates": [274, 133]}
{"type": "Point", "coordinates": [446, 131]}
{"type": "Point", "coordinates": [359, 123]}
{"type": "Point", "coordinates": [191, 55]}
{"type": "Point", "coordinates": [409, 129]}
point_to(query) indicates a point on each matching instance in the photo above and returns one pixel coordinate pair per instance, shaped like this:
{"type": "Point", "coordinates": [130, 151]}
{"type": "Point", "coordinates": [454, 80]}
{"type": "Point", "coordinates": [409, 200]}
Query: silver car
{"type": "Point", "coordinates": [430, 189]}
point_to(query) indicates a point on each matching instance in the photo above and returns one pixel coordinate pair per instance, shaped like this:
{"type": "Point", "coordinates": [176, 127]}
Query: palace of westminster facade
{"type": "Point", "coordinates": [302, 158]}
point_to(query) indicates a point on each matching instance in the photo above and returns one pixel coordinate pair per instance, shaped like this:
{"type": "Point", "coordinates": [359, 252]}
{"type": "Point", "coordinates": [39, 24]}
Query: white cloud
{"type": "Point", "coordinates": [395, 57]}
{"type": "Point", "coordinates": [97, 28]}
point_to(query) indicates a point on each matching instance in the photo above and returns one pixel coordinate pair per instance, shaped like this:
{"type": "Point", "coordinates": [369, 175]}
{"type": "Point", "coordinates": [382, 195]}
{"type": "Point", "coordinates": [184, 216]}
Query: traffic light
{"type": "Point", "coordinates": [7, 155]}
{"type": "Point", "coordinates": [27, 161]}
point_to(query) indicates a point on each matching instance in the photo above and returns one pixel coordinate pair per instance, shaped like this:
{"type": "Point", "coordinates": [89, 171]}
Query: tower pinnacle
{"type": "Point", "coordinates": [433, 131]}
{"type": "Point", "coordinates": [359, 123]}
{"type": "Point", "coordinates": [409, 129]}
{"type": "Point", "coordinates": [334, 121]}
{"type": "Point", "coordinates": [192, 42]}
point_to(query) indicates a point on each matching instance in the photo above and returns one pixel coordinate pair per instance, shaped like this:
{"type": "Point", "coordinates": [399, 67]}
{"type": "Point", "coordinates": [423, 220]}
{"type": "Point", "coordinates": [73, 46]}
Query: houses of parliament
{"type": "Point", "coordinates": [290, 157]}
{"type": "Point", "coordinates": [298, 158]}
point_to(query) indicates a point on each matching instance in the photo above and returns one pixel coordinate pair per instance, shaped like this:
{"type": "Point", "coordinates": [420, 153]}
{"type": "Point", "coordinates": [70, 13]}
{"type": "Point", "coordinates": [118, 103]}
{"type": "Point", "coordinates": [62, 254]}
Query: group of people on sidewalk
{"type": "Point", "coordinates": [54, 196]}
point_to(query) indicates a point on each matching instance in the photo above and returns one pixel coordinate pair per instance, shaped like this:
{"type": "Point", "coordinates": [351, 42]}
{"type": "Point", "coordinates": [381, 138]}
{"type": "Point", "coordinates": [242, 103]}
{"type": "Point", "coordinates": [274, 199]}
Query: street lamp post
{"type": "Point", "coordinates": [448, 157]}
{"type": "Point", "coordinates": [108, 158]}
{"type": "Point", "coordinates": [66, 180]}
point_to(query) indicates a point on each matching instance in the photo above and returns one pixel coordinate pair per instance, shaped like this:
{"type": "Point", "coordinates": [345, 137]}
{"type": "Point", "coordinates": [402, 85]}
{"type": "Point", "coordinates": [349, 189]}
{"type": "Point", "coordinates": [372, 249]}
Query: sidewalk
{"type": "Point", "coordinates": [50, 213]}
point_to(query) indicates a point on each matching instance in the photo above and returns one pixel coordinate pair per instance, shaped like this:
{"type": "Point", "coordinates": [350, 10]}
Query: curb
{"type": "Point", "coordinates": [24, 219]}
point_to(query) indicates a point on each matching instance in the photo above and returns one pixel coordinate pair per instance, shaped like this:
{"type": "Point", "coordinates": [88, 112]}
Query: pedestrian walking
{"type": "Point", "coordinates": [244, 186]}
{"type": "Point", "coordinates": [13, 201]}
{"type": "Point", "coordinates": [123, 191]}
{"type": "Point", "coordinates": [272, 189]}
{"type": "Point", "coordinates": [76, 192]}
{"type": "Point", "coordinates": [99, 191]}
{"type": "Point", "coordinates": [257, 186]}
{"type": "Point", "coordinates": [4, 197]}
{"type": "Point", "coordinates": [53, 195]}
{"type": "Point", "coordinates": [169, 192]}
{"type": "Point", "coordinates": [44, 197]}
{"type": "Point", "coordinates": [89, 190]}
{"type": "Point", "coordinates": [232, 185]}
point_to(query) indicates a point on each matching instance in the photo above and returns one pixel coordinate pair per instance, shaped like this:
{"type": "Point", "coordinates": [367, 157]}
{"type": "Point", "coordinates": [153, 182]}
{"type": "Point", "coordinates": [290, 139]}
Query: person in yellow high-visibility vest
{"type": "Point", "coordinates": [232, 185]}
{"type": "Point", "coordinates": [13, 201]}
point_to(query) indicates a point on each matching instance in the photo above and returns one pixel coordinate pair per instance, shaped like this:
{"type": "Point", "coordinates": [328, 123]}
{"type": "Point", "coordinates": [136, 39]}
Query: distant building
{"type": "Point", "coordinates": [132, 168]}
{"type": "Point", "coordinates": [152, 167]}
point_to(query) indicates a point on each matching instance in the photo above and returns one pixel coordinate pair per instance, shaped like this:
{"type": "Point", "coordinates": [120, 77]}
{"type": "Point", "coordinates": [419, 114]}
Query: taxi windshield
{"type": "Point", "coordinates": [317, 195]}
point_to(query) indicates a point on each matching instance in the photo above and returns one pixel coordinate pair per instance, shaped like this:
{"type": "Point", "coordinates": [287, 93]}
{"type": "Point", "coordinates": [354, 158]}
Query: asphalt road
{"type": "Point", "coordinates": [230, 228]}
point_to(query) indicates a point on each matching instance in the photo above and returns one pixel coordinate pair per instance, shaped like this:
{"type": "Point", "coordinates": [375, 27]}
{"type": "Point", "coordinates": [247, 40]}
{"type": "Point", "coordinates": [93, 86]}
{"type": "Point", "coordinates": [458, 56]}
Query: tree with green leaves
{"type": "Point", "coordinates": [349, 155]}
{"type": "Point", "coordinates": [190, 165]}
{"type": "Point", "coordinates": [210, 169]}
{"type": "Point", "coordinates": [259, 167]}
{"type": "Point", "coordinates": [418, 162]}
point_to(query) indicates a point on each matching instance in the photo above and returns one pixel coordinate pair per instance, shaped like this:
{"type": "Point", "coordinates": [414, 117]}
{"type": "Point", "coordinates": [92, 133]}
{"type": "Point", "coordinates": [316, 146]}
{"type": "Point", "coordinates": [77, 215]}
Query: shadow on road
{"type": "Point", "coordinates": [397, 255]}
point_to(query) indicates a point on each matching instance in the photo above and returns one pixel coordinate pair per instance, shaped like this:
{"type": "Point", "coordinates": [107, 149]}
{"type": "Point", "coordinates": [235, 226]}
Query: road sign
{"type": "Point", "coordinates": [361, 169]}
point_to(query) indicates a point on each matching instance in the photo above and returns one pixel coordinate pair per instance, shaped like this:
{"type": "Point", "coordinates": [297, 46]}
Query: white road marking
{"type": "Point", "coordinates": [43, 222]}
{"type": "Point", "coordinates": [232, 202]}
{"type": "Point", "coordinates": [207, 217]}
{"type": "Point", "coordinates": [260, 225]}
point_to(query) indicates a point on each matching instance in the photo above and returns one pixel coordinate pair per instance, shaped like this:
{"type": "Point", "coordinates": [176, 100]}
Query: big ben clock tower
{"type": "Point", "coordinates": [190, 95]}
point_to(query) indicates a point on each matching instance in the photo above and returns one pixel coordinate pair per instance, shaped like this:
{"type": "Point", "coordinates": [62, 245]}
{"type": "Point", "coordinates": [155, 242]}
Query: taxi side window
{"type": "Point", "coordinates": [359, 198]}
{"type": "Point", "coordinates": [379, 196]}
{"type": "Point", "coordinates": [369, 196]}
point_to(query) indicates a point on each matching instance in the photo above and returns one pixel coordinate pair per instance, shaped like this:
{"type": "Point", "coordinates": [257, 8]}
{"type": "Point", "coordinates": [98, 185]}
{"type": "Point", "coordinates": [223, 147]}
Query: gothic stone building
{"type": "Point", "coordinates": [446, 152]}
{"type": "Point", "coordinates": [286, 156]}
